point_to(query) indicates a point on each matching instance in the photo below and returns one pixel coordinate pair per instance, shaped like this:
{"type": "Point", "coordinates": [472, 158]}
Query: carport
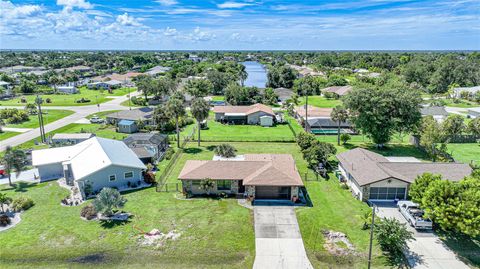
{"type": "Point", "coordinates": [272, 192]}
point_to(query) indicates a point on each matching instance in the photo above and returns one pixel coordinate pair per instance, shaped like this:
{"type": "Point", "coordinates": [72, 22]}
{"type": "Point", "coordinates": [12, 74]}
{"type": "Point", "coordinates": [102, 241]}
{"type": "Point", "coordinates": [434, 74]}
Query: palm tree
{"type": "Point", "coordinates": [14, 159]}
{"type": "Point", "coordinates": [339, 114]}
{"type": "Point", "coordinates": [2, 123]}
{"type": "Point", "coordinates": [107, 200]}
{"type": "Point", "coordinates": [225, 150]}
{"type": "Point", "coordinates": [243, 74]}
{"type": "Point", "coordinates": [200, 110]}
{"type": "Point", "coordinates": [176, 109]}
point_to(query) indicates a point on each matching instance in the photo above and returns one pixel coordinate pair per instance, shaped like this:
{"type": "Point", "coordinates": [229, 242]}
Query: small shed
{"type": "Point", "coordinates": [127, 126]}
{"type": "Point", "coordinates": [266, 121]}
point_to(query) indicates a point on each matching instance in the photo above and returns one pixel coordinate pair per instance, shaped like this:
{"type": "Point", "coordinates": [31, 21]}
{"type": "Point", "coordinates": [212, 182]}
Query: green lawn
{"type": "Point", "coordinates": [465, 152]}
{"type": "Point", "coordinates": [105, 131]}
{"type": "Point", "coordinates": [69, 99]}
{"type": "Point", "coordinates": [49, 116]}
{"type": "Point", "coordinates": [218, 98]}
{"type": "Point", "coordinates": [4, 135]}
{"type": "Point", "coordinates": [214, 233]}
{"type": "Point", "coordinates": [458, 103]}
{"type": "Point", "coordinates": [320, 101]}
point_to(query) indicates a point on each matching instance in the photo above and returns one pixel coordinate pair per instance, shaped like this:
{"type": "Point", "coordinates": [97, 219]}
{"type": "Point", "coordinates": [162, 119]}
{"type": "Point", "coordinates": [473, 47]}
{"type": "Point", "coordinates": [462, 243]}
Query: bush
{"type": "Point", "coordinates": [4, 220]}
{"type": "Point", "coordinates": [345, 138]}
{"type": "Point", "coordinates": [392, 237]}
{"type": "Point", "coordinates": [225, 150]}
{"type": "Point", "coordinates": [169, 153]}
{"type": "Point", "coordinates": [13, 115]}
{"type": "Point", "coordinates": [48, 100]}
{"type": "Point", "coordinates": [88, 212]}
{"type": "Point", "coordinates": [149, 177]}
{"type": "Point", "coordinates": [82, 100]}
{"type": "Point", "coordinates": [22, 203]}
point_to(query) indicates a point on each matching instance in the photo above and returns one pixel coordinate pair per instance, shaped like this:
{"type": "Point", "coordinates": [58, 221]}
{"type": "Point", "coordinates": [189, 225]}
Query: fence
{"type": "Point", "coordinates": [171, 187]}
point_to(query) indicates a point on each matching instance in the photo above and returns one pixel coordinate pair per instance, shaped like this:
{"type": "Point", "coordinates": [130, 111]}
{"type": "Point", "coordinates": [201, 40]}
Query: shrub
{"type": "Point", "coordinates": [149, 177]}
{"type": "Point", "coordinates": [225, 150]}
{"type": "Point", "coordinates": [345, 138]}
{"type": "Point", "coordinates": [48, 100]}
{"type": "Point", "coordinates": [88, 212]}
{"type": "Point", "coordinates": [107, 200]}
{"type": "Point", "coordinates": [4, 220]}
{"type": "Point", "coordinates": [22, 203]}
{"type": "Point", "coordinates": [13, 115]}
{"type": "Point", "coordinates": [392, 237]}
{"type": "Point", "coordinates": [169, 153]}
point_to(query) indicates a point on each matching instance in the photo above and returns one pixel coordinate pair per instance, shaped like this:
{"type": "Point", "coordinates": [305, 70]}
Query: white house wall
{"type": "Point", "coordinates": [352, 183]}
{"type": "Point", "coordinates": [101, 179]}
{"type": "Point", "coordinates": [50, 171]}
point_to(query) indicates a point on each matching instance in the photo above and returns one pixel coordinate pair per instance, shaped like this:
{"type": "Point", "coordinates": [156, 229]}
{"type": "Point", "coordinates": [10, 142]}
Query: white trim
{"type": "Point", "coordinates": [125, 177]}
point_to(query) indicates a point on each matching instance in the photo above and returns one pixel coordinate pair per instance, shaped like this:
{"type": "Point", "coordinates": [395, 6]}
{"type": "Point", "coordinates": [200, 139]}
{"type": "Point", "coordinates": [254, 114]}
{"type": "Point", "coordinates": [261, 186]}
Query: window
{"type": "Point", "coordinates": [195, 182]}
{"type": "Point", "coordinates": [224, 185]}
{"type": "Point", "coordinates": [113, 177]}
{"type": "Point", "coordinates": [128, 175]}
{"type": "Point", "coordinates": [387, 193]}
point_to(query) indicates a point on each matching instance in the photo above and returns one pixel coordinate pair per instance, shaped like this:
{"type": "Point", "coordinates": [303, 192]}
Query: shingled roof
{"type": "Point", "coordinates": [368, 167]}
{"type": "Point", "coordinates": [339, 90]}
{"type": "Point", "coordinates": [247, 110]}
{"type": "Point", "coordinates": [254, 170]}
{"type": "Point", "coordinates": [313, 111]}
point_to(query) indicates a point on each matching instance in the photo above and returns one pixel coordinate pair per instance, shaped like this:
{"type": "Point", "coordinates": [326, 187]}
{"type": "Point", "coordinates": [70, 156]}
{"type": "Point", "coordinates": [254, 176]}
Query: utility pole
{"type": "Point", "coordinates": [39, 102]}
{"type": "Point", "coordinates": [371, 237]}
{"type": "Point", "coordinates": [306, 111]}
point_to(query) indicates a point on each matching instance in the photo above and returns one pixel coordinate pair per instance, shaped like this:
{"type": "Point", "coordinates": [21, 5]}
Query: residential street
{"type": "Point", "coordinates": [80, 113]}
{"type": "Point", "coordinates": [278, 242]}
{"type": "Point", "coordinates": [427, 251]}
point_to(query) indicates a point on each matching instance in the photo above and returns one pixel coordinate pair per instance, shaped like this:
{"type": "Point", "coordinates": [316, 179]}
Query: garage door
{"type": "Point", "coordinates": [377, 193]}
{"type": "Point", "coordinates": [272, 192]}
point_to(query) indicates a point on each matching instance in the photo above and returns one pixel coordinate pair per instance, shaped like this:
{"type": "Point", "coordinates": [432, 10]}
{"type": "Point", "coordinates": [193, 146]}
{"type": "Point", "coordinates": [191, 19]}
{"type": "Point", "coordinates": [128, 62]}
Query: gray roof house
{"type": "Point", "coordinates": [91, 165]}
{"type": "Point", "coordinates": [149, 147]}
{"type": "Point", "coordinates": [144, 114]}
{"type": "Point", "coordinates": [71, 138]}
{"type": "Point", "coordinates": [372, 176]}
{"type": "Point", "coordinates": [437, 112]}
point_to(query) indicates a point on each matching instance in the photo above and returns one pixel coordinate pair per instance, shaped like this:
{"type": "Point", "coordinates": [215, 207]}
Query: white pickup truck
{"type": "Point", "coordinates": [414, 215]}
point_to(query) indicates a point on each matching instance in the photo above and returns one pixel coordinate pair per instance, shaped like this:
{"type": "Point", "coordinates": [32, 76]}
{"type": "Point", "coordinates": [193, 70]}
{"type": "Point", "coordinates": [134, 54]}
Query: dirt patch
{"type": "Point", "coordinates": [337, 243]}
{"type": "Point", "coordinates": [157, 239]}
{"type": "Point", "coordinates": [90, 259]}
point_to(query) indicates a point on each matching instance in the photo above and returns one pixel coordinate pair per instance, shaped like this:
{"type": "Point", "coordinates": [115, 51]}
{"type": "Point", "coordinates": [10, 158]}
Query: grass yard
{"type": "Point", "coordinates": [462, 103]}
{"type": "Point", "coordinates": [70, 99]}
{"type": "Point", "coordinates": [214, 233]}
{"type": "Point", "coordinates": [7, 134]}
{"type": "Point", "coordinates": [218, 98]}
{"type": "Point", "coordinates": [49, 116]}
{"type": "Point", "coordinates": [465, 152]}
{"type": "Point", "coordinates": [320, 101]}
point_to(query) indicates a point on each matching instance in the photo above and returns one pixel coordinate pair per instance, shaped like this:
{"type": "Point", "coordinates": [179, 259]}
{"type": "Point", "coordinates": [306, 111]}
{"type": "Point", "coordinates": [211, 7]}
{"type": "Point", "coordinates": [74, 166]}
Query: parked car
{"type": "Point", "coordinates": [2, 171]}
{"type": "Point", "coordinates": [96, 119]}
{"type": "Point", "coordinates": [414, 215]}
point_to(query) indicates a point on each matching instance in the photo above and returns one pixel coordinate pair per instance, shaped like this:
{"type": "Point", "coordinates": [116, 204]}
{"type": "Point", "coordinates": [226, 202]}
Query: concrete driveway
{"type": "Point", "coordinates": [278, 242]}
{"type": "Point", "coordinates": [27, 176]}
{"type": "Point", "coordinates": [427, 251]}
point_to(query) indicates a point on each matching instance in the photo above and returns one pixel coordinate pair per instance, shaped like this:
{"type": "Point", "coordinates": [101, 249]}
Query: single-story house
{"type": "Point", "coordinates": [149, 147]}
{"type": "Point", "coordinates": [6, 89]}
{"type": "Point", "coordinates": [260, 176]}
{"type": "Point", "coordinates": [157, 70]}
{"type": "Point", "coordinates": [144, 114]}
{"type": "Point", "coordinates": [474, 112]}
{"type": "Point", "coordinates": [109, 84]}
{"type": "Point", "coordinates": [91, 165]}
{"type": "Point", "coordinates": [338, 90]}
{"type": "Point", "coordinates": [283, 94]}
{"type": "Point", "coordinates": [372, 176]}
{"type": "Point", "coordinates": [471, 91]}
{"type": "Point", "coordinates": [71, 138]}
{"type": "Point", "coordinates": [127, 126]}
{"type": "Point", "coordinates": [67, 89]}
{"type": "Point", "coordinates": [242, 114]}
{"type": "Point", "coordinates": [439, 113]}
{"type": "Point", "coordinates": [319, 120]}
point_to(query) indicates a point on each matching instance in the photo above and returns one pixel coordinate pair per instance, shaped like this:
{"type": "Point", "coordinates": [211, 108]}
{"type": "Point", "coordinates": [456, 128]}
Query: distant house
{"type": "Point", "coordinates": [195, 58]}
{"type": "Point", "coordinates": [319, 120]}
{"type": "Point", "coordinates": [90, 165]}
{"type": "Point", "coordinates": [242, 114]}
{"type": "Point", "coordinates": [283, 93]}
{"type": "Point", "coordinates": [109, 84]}
{"type": "Point", "coordinates": [149, 147]}
{"type": "Point", "coordinates": [260, 176]}
{"type": "Point", "coordinates": [437, 112]}
{"type": "Point", "coordinates": [5, 89]}
{"type": "Point", "coordinates": [474, 112]}
{"type": "Point", "coordinates": [144, 114]}
{"type": "Point", "coordinates": [157, 70]}
{"type": "Point", "coordinates": [470, 91]}
{"type": "Point", "coordinates": [70, 138]}
{"type": "Point", "coordinates": [67, 89]}
{"type": "Point", "coordinates": [371, 176]}
{"type": "Point", "coordinates": [338, 90]}
{"type": "Point", "coordinates": [127, 126]}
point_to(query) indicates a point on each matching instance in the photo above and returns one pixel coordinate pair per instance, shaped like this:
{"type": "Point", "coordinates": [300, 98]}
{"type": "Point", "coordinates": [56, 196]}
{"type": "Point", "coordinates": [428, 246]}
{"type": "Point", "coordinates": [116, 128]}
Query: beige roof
{"type": "Point", "coordinates": [255, 170]}
{"type": "Point", "coordinates": [368, 167]}
{"type": "Point", "coordinates": [313, 111]}
{"type": "Point", "coordinates": [340, 90]}
{"type": "Point", "coordinates": [244, 109]}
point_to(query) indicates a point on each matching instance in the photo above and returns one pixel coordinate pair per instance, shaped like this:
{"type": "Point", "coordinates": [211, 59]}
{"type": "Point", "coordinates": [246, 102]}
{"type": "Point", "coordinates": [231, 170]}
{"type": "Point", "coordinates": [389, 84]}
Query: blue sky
{"type": "Point", "coordinates": [241, 24]}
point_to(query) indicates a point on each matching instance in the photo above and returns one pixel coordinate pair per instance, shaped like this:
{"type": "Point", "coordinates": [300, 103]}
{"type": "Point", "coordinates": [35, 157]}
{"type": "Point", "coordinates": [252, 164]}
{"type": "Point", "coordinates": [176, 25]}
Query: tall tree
{"type": "Point", "coordinates": [242, 74]}
{"type": "Point", "coordinates": [163, 86]}
{"type": "Point", "coordinates": [13, 160]}
{"type": "Point", "coordinates": [145, 85]}
{"type": "Point", "coordinates": [339, 114]}
{"type": "Point", "coordinates": [199, 87]}
{"type": "Point", "coordinates": [453, 125]}
{"type": "Point", "coordinates": [200, 110]}
{"type": "Point", "coordinates": [432, 138]}
{"type": "Point", "coordinates": [177, 110]}
{"type": "Point", "coordinates": [420, 185]}
{"type": "Point", "coordinates": [474, 126]}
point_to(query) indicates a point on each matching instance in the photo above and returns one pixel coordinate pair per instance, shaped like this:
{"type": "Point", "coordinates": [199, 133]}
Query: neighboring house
{"type": "Point", "coordinates": [127, 126]}
{"type": "Point", "coordinates": [157, 70]}
{"type": "Point", "coordinates": [70, 138]}
{"type": "Point", "coordinates": [319, 120]}
{"type": "Point", "coordinates": [109, 84]}
{"type": "Point", "coordinates": [471, 91]}
{"type": "Point", "coordinates": [242, 114]}
{"type": "Point", "coordinates": [338, 90]}
{"type": "Point", "coordinates": [5, 89]}
{"type": "Point", "coordinates": [144, 114]}
{"type": "Point", "coordinates": [372, 176]}
{"type": "Point", "coordinates": [260, 176]}
{"type": "Point", "coordinates": [90, 165]}
{"type": "Point", "coordinates": [149, 147]}
{"type": "Point", "coordinates": [437, 112]}
{"type": "Point", "coordinates": [283, 94]}
{"type": "Point", "coordinates": [21, 69]}
{"type": "Point", "coordinates": [474, 112]}
{"type": "Point", "coordinates": [67, 89]}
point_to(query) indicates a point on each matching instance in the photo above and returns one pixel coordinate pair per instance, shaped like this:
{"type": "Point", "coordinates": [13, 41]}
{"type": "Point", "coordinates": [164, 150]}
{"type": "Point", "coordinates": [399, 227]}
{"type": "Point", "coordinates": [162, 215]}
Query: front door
{"type": "Point", "coordinates": [241, 187]}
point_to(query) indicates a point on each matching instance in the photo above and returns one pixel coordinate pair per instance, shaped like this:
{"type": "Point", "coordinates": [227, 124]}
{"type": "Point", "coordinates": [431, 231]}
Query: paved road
{"type": "Point", "coordinates": [278, 242]}
{"type": "Point", "coordinates": [80, 113]}
{"type": "Point", "coordinates": [427, 251]}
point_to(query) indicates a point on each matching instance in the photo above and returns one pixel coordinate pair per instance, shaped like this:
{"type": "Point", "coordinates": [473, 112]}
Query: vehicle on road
{"type": "Point", "coordinates": [414, 215]}
{"type": "Point", "coordinates": [96, 119]}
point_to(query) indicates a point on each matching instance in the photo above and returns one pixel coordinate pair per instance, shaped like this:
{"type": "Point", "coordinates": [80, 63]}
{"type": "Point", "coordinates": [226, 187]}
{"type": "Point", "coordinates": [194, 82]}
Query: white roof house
{"type": "Point", "coordinates": [101, 161]}
{"type": "Point", "coordinates": [457, 92]}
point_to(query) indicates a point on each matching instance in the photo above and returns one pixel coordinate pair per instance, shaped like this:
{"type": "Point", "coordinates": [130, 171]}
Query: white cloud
{"type": "Point", "coordinates": [75, 3]}
{"type": "Point", "coordinates": [199, 35]}
{"type": "Point", "coordinates": [230, 4]}
{"type": "Point", "coordinates": [167, 2]}
{"type": "Point", "coordinates": [127, 20]}
{"type": "Point", "coordinates": [170, 31]}
{"type": "Point", "coordinates": [10, 11]}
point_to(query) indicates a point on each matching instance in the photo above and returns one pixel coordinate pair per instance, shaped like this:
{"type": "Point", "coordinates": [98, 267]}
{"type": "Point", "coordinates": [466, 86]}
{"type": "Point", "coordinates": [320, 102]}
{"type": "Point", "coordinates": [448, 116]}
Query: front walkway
{"type": "Point", "coordinates": [278, 242]}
